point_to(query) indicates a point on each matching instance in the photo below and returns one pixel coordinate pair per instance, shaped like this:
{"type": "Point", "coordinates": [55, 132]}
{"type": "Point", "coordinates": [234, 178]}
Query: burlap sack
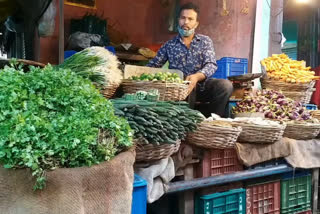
{"type": "Point", "coordinates": [250, 154]}
{"type": "Point", "coordinates": [101, 189]}
{"type": "Point", "coordinates": [305, 154]}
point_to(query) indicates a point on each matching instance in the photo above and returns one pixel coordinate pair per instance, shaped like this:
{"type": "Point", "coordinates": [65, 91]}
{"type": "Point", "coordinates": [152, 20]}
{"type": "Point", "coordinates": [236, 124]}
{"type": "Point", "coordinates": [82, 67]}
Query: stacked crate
{"type": "Point", "coordinates": [296, 193]}
{"type": "Point", "coordinates": [218, 162]}
{"type": "Point", "coordinates": [233, 201]}
{"type": "Point", "coordinates": [263, 198]}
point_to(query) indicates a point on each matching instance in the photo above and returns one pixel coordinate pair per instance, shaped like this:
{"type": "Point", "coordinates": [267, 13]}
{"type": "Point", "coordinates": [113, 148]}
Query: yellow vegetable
{"type": "Point", "coordinates": [280, 66]}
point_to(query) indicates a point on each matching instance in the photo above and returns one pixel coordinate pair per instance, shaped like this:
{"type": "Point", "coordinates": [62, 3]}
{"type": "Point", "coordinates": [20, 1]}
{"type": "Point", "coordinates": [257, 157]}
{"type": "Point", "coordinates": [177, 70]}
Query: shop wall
{"type": "Point", "coordinates": [143, 22]}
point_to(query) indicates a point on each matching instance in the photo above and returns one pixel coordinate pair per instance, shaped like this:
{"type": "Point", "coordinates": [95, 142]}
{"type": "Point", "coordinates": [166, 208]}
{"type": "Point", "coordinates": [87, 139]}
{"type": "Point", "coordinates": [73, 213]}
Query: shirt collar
{"type": "Point", "coordinates": [196, 38]}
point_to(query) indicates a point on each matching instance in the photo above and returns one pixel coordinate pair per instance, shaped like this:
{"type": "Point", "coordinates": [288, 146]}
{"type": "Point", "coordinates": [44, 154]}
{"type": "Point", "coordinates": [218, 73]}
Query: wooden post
{"type": "Point", "coordinates": [61, 31]}
{"type": "Point", "coordinates": [315, 182]}
{"type": "Point", "coordinates": [186, 201]}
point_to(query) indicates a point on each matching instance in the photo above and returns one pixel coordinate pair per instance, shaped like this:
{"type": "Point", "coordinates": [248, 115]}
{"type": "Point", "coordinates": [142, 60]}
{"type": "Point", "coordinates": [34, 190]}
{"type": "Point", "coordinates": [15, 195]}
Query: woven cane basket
{"type": "Point", "coordinates": [168, 91]}
{"type": "Point", "coordinates": [253, 133]}
{"type": "Point", "coordinates": [303, 97]}
{"type": "Point", "coordinates": [214, 137]}
{"type": "Point", "coordinates": [151, 152]}
{"type": "Point", "coordinates": [302, 131]}
{"type": "Point", "coordinates": [268, 83]}
{"type": "Point", "coordinates": [109, 90]}
{"type": "Point", "coordinates": [315, 114]}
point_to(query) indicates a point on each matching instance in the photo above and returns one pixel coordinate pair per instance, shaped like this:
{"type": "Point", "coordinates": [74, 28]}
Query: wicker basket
{"type": "Point", "coordinates": [151, 152]}
{"type": "Point", "coordinates": [302, 131]}
{"type": "Point", "coordinates": [284, 86]}
{"type": "Point", "coordinates": [214, 137]}
{"type": "Point", "coordinates": [253, 133]}
{"type": "Point", "coordinates": [315, 114]}
{"type": "Point", "coordinates": [303, 97]}
{"type": "Point", "coordinates": [168, 91]}
{"type": "Point", "coordinates": [109, 90]}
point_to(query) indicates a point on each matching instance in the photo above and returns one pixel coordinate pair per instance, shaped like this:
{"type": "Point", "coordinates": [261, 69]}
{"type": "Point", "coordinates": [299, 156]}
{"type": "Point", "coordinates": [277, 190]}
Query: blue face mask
{"type": "Point", "coordinates": [185, 33]}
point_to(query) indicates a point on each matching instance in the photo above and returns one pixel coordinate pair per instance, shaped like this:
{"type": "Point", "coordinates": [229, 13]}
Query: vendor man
{"type": "Point", "coordinates": [194, 55]}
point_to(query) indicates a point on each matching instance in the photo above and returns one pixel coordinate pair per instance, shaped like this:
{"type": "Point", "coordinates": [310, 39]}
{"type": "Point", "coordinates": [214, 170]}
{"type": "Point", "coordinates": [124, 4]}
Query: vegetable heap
{"type": "Point", "coordinates": [274, 105]}
{"type": "Point", "coordinates": [97, 64]}
{"type": "Point", "coordinates": [55, 119]}
{"type": "Point", "coordinates": [160, 76]}
{"type": "Point", "coordinates": [281, 67]}
{"type": "Point", "coordinates": [158, 122]}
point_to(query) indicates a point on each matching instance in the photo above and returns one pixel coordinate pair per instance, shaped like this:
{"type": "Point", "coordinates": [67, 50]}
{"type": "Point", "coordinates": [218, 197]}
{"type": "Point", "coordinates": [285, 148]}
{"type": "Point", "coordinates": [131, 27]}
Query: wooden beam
{"type": "Point", "coordinates": [61, 31]}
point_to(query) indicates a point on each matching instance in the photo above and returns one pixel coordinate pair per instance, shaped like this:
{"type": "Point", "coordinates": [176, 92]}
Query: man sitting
{"type": "Point", "coordinates": [194, 55]}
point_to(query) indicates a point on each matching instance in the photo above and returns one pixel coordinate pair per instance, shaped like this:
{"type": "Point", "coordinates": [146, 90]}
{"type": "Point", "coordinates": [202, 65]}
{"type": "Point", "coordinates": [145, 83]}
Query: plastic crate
{"type": "Point", "coordinates": [69, 53]}
{"type": "Point", "coordinates": [220, 188]}
{"type": "Point", "coordinates": [296, 194]}
{"type": "Point", "coordinates": [269, 163]}
{"type": "Point", "coordinates": [229, 66]}
{"type": "Point", "coordinates": [218, 162]}
{"type": "Point", "coordinates": [305, 212]}
{"type": "Point", "coordinates": [296, 174]}
{"type": "Point", "coordinates": [111, 49]}
{"type": "Point", "coordinates": [231, 202]}
{"type": "Point", "coordinates": [139, 196]}
{"type": "Point", "coordinates": [311, 107]}
{"type": "Point", "coordinates": [232, 103]}
{"type": "Point", "coordinates": [263, 198]}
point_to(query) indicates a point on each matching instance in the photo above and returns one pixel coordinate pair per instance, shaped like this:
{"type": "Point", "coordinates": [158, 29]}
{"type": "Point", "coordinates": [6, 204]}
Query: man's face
{"type": "Point", "coordinates": [188, 19]}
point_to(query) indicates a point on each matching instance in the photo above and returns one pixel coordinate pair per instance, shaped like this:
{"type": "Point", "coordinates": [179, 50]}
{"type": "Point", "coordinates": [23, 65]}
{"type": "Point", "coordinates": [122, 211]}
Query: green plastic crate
{"type": "Point", "coordinates": [230, 202]}
{"type": "Point", "coordinates": [295, 194]}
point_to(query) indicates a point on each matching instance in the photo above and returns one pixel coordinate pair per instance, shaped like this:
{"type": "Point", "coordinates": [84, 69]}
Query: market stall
{"type": "Point", "coordinates": [97, 135]}
{"type": "Point", "coordinates": [177, 149]}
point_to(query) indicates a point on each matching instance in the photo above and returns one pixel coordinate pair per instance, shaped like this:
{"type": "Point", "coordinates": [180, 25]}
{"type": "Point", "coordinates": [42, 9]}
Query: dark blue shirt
{"type": "Point", "coordinates": [200, 57]}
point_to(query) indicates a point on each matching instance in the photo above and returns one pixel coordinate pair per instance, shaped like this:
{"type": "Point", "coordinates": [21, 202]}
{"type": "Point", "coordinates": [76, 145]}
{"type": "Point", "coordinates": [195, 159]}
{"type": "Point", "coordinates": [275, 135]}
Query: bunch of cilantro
{"type": "Point", "coordinates": [53, 118]}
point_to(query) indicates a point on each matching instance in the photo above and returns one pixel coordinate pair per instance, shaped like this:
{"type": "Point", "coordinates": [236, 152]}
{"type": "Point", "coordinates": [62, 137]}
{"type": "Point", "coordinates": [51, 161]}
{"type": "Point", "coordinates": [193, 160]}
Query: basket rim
{"type": "Point", "coordinates": [207, 124]}
{"type": "Point", "coordinates": [282, 126]}
{"type": "Point", "coordinates": [270, 80]}
{"type": "Point", "coordinates": [127, 81]}
{"type": "Point", "coordinates": [308, 125]}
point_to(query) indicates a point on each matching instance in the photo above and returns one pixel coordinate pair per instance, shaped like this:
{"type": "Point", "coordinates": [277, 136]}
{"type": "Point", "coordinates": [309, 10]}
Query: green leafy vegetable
{"type": "Point", "coordinates": [160, 76]}
{"type": "Point", "coordinates": [54, 118]}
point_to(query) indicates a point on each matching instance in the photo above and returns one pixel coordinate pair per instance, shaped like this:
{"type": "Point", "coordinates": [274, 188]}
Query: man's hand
{"type": "Point", "coordinates": [194, 79]}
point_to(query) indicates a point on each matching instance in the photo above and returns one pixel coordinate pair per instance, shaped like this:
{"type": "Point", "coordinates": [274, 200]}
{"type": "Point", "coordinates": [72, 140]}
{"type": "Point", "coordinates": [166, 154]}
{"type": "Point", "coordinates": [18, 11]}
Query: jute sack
{"type": "Point", "coordinates": [101, 189]}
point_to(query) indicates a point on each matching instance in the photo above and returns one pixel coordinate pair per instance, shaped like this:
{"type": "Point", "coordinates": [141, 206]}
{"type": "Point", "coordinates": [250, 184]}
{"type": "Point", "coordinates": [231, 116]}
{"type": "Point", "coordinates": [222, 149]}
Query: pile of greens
{"type": "Point", "coordinates": [53, 118]}
{"type": "Point", "coordinates": [96, 64]}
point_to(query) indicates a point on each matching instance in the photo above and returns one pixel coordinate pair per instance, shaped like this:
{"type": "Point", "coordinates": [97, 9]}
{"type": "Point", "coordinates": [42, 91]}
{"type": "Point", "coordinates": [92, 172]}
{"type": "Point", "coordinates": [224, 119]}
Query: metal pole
{"type": "Point", "coordinates": [61, 31]}
{"type": "Point", "coordinates": [315, 181]}
{"type": "Point", "coordinates": [181, 186]}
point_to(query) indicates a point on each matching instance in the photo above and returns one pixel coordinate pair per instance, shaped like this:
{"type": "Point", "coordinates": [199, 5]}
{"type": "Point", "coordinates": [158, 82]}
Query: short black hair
{"type": "Point", "coordinates": [189, 6]}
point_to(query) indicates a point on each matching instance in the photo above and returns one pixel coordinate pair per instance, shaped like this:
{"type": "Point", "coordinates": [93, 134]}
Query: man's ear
{"type": "Point", "coordinates": [197, 24]}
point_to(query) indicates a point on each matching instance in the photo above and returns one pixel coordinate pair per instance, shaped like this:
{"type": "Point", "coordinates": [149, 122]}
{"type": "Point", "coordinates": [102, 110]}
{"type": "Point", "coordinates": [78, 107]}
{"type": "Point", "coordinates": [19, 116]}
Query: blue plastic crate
{"type": "Point", "coordinates": [67, 54]}
{"type": "Point", "coordinates": [270, 163]}
{"type": "Point", "coordinates": [232, 103]}
{"type": "Point", "coordinates": [233, 201]}
{"type": "Point", "coordinates": [296, 174]}
{"type": "Point", "coordinates": [311, 106]}
{"type": "Point", "coordinates": [229, 66]}
{"type": "Point", "coordinates": [139, 196]}
{"type": "Point", "coordinates": [111, 49]}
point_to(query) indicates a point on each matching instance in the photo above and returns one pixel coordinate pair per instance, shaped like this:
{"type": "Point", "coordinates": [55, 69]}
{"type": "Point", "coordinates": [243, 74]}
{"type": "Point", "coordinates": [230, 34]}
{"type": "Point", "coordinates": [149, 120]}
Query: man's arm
{"type": "Point", "coordinates": [160, 59]}
{"type": "Point", "coordinates": [209, 65]}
